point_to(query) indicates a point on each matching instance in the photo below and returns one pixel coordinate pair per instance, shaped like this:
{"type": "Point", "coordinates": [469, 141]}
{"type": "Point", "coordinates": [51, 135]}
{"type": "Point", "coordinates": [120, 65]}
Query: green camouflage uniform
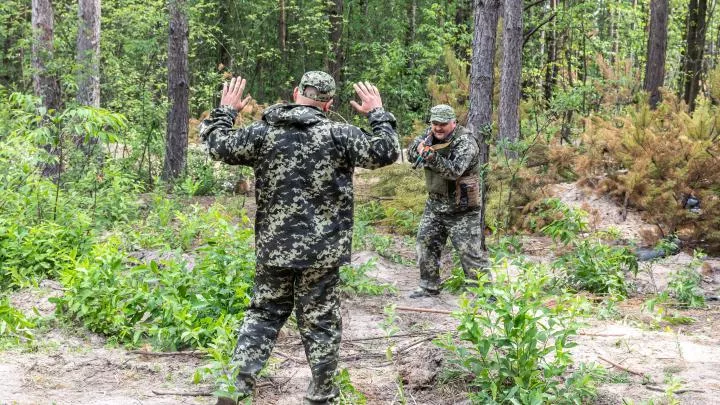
{"type": "Point", "coordinates": [303, 165]}
{"type": "Point", "coordinates": [448, 213]}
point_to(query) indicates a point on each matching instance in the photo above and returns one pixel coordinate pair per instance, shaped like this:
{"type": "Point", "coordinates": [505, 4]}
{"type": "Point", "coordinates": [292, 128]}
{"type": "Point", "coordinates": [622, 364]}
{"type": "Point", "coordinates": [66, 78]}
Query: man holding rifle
{"type": "Point", "coordinates": [303, 165]}
{"type": "Point", "coordinates": [450, 158]}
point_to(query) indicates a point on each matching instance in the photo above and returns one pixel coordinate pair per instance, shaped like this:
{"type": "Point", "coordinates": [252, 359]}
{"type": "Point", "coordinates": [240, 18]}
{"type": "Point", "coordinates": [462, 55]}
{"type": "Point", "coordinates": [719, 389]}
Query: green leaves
{"type": "Point", "coordinates": [515, 340]}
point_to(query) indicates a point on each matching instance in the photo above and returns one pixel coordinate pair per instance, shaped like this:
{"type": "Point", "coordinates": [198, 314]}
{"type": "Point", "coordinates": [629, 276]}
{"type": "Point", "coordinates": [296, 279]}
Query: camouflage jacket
{"type": "Point", "coordinates": [461, 158]}
{"type": "Point", "coordinates": [303, 165]}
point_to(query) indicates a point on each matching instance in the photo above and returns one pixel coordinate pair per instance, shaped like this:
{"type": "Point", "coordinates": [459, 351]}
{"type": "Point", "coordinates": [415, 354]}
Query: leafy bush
{"type": "Point", "coordinates": [13, 324]}
{"type": "Point", "coordinates": [355, 281]}
{"type": "Point", "coordinates": [684, 284]}
{"type": "Point", "coordinates": [515, 340]}
{"type": "Point", "coordinates": [598, 268]}
{"type": "Point", "coordinates": [169, 302]}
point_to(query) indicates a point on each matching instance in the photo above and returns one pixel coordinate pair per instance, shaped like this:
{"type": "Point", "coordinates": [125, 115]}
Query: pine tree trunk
{"type": "Point", "coordinates": [45, 84]}
{"type": "Point", "coordinates": [510, 73]}
{"type": "Point", "coordinates": [88, 53]}
{"type": "Point", "coordinates": [282, 27]}
{"type": "Point", "coordinates": [178, 92]}
{"type": "Point", "coordinates": [656, 49]}
{"type": "Point", "coordinates": [337, 60]}
{"type": "Point", "coordinates": [695, 40]}
{"type": "Point", "coordinates": [551, 67]}
{"type": "Point", "coordinates": [482, 70]}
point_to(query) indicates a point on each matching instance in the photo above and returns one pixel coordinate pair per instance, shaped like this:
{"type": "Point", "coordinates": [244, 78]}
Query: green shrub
{"type": "Point", "coordinates": [166, 301]}
{"type": "Point", "coordinates": [598, 268]}
{"type": "Point", "coordinates": [355, 281]}
{"type": "Point", "coordinates": [514, 342]}
{"type": "Point", "coordinates": [13, 324]}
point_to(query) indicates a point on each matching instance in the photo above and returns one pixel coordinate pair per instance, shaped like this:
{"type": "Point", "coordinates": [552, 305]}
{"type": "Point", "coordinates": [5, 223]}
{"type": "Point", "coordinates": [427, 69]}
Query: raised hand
{"type": "Point", "coordinates": [232, 94]}
{"type": "Point", "coordinates": [369, 97]}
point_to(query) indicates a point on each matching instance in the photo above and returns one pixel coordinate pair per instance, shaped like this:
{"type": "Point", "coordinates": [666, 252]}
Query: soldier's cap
{"type": "Point", "coordinates": [442, 113]}
{"type": "Point", "coordinates": [323, 82]}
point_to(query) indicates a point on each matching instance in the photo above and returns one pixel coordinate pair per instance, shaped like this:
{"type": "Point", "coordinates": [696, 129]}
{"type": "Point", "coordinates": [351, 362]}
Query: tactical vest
{"type": "Point", "coordinates": [462, 193]}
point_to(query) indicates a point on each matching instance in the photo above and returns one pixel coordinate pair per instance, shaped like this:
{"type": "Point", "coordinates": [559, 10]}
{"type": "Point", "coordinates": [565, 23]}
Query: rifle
{"type": "Point", "coordinates": [427, 149]}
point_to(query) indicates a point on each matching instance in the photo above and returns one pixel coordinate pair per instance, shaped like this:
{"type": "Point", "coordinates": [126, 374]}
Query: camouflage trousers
{"type": "Point", "coordinates": [314, 293]}
{"type": "Point", "coordinates": [464, 231]}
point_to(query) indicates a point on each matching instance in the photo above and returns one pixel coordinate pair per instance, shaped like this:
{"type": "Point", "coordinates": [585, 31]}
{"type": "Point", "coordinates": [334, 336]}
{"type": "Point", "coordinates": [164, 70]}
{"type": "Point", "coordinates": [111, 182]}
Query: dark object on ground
{"type": "Point", "coordinates": [647, 254]}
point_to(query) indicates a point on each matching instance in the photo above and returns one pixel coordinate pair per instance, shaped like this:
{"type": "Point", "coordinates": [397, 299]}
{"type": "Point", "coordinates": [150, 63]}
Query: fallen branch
{"type": "Point", "coordinates": [430, 310]}
{"type": "Point", "coordinates": [168, 354]}
{"type": "Point", "coordinates": [287, 356]}
{"type": "Point", "coordinates": [682, 391]}
{"type": "Point", "coordinates": [602, 334]}
{"type": "Point", "coordinates": [184, 394]}
{"type": "Point", "coordinates": [621, 367]}
{"type": "Point", "coordinates": [413, 344]}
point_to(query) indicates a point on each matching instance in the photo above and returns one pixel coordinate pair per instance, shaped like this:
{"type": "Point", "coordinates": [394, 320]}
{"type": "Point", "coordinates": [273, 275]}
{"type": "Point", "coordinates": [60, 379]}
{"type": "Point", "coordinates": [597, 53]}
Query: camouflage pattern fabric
{"type": "Point", "coordinates": [442, 217]}
{"type": "Point", "coordinates": [316, 296]}
{"type": "Point", "coordinates": [323, 82]}
{"type": "Point", "coordinates": [463, 229]}
{"type": "Point", "coordinates": [303, 165]}
{"type": "Point", "coordinates": [460, 159]}
{"type": "Point", "coordinates": [442, 113]}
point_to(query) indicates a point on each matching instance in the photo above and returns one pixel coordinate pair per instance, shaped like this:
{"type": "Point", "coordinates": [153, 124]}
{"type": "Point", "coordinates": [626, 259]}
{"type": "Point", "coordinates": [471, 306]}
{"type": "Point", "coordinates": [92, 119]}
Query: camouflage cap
{"type": "Point", "coordinates": [442, 113]}
{"type": "Point", "coordinates": [323, 82]}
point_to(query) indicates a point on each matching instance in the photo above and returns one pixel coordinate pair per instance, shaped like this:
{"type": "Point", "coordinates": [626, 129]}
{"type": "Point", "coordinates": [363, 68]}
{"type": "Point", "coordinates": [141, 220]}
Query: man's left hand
{"type": "Point", "coordinates": [232, 94]}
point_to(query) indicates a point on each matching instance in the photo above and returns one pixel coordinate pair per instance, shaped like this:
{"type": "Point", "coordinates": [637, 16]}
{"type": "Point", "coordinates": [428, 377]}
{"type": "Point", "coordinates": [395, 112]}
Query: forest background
{"type": "Point", "coordinates": [100, 158]}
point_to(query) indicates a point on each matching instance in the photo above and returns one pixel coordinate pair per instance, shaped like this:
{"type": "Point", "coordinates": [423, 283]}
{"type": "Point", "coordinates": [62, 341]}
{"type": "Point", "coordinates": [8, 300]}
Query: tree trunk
{"type": "Point", "coordinates": [337, 60]}
{"type": "Point", "coordinates": [657, 46]}
{"type": "Point", "coordinates": [695, 40]}
{"type": "Point", "coordinates": [510, 73]}
{"type": "Point", "coordinates": [482, 71]}
{"type": "Point", "coordinates": [551, 68]}
{"type": "Point", "coordinates": [282, 29]}
{"type": "Point", "coordinates": [88, 53]}
{"type": "Point", "coordinates": [178, 91]}
{"type": "Point", "coordinates": [45, 84]}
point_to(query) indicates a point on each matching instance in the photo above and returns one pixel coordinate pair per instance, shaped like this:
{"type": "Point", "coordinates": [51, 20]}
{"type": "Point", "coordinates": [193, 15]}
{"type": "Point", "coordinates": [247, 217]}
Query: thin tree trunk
{"type": "Point", "coordinates": [551, 67]}
{"type": "Point", "coordinates": [282, 29]}
{"type": "Point", "coordinates": [510, 73]}
{"type": "Point", "coordinates": [45, 84]}
{"type": "Point", "coordinates": [178, 92]}
{"type": "Point", "coordinates": [88, 53]}
{"type": "Point", "coordinates": [656, 49]}
{"type": "Point", "coordinates": [337, 60]}
{"type": "Point", "coordinates": [482, 72]}
{"type": "Point", "coordinates": [695, 39]}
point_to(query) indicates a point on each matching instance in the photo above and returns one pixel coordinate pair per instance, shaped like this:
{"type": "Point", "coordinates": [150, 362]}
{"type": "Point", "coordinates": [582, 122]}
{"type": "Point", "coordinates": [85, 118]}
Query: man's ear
{"type": "Point", "coordinates": [295, 94]}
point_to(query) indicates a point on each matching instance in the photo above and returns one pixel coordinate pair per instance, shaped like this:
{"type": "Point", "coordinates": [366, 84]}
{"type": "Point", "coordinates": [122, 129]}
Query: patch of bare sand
{"type": "Point", "coordinates": [604, 212]}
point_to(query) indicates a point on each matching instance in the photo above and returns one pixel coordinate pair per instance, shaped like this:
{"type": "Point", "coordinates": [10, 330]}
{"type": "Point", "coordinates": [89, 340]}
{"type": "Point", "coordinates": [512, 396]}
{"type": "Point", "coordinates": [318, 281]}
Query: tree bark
{"type": "Point", "coordinates": [178, 92]}
{"type": "Point", "coordinates": [282, 28]}
{"type": "Point", "coordinates": [337, 60]}
{"type": "Point", "coordinates": [551, 67]}
{"type": "Point", "coordinates": [656, 49]}
{"type": "Point", "coordinates": [482, 77]}
{"type": "Point", "coordinates": [88, 53]}
{"type": "Point", "coordinates": [45, 84]}
{"type": "Point", "coordinates": [510, 73]}
{"type": "Point", "coordinates": [695, 40]}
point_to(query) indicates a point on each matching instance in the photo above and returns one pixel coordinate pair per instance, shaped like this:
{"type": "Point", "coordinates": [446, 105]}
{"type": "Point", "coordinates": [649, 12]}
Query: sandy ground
{"type": "Point", "coordinates": [71, 366]}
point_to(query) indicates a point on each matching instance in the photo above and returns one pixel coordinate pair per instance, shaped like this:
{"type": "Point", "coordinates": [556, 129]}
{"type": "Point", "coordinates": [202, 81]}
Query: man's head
{"type": "Point", "coordinates": [316, 88]}
{"type": "Point", "coordinates": [442, 121]}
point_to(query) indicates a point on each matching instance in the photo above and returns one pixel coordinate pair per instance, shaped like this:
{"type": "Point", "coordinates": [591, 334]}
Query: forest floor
{"type": "Point", "coordinates": [68, 365]}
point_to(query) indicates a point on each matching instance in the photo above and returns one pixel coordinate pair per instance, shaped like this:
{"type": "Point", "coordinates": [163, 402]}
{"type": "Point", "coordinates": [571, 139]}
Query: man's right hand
{"type": "Point", "coordinates": [232, 94]}
{"type": "Point", "coordinates": [369, 97]}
